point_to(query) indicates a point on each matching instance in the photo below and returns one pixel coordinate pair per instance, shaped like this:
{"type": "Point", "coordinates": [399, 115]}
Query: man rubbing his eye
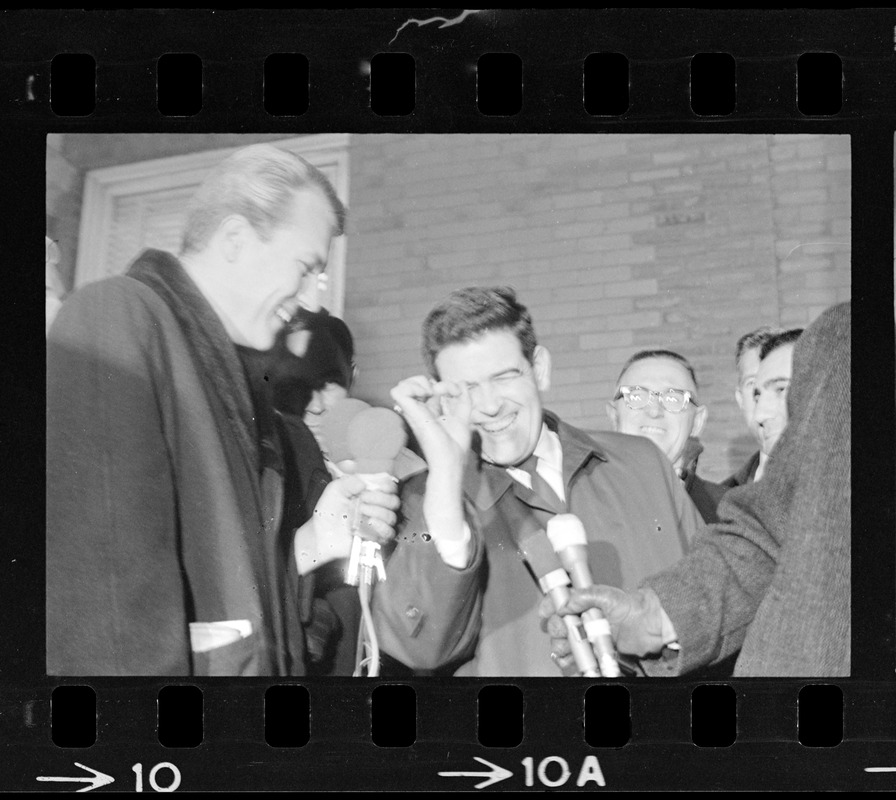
{"type": "Point", "coordinates": [462, 596]}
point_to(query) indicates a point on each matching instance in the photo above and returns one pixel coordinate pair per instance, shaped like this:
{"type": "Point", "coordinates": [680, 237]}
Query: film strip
{"type": "Point", "coordinates": [375, 71]}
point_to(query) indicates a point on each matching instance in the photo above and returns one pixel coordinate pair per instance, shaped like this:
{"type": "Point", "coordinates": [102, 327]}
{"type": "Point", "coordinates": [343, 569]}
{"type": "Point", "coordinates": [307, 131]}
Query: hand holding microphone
{"type": "Point", "coordinates": [370, 439]}
{"type": "Point", "coordinates": [639, 625]}
{"type": "Point", "coordinates": [328, 535]}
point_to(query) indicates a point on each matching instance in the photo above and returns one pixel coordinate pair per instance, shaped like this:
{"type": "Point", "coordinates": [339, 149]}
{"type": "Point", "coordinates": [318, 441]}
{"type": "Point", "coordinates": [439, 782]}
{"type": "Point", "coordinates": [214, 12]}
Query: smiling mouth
{"type": "Point", "coordinates": [498, 426]}
{"type": "Point", "coordinates": [650, 429]}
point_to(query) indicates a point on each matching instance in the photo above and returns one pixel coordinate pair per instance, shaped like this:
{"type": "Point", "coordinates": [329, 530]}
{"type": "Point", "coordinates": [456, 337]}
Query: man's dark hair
{"type": "Point", "coordinates": [779, 340]}
{"type": "Point", "coordinates": [670, 354]}
{"type": "Point", "coordinates": [468, 313]}
{"type": "Point", "coordinates": [752, 340]}
{"type": "Point", "coordinates": [329, 358]}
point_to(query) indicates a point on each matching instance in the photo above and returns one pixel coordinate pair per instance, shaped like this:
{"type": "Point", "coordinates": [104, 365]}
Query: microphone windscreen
{"type": "Point", "coordinates": [566, 530]}
{"type": "Point", "coordinates": [375, 437]}
{"type": "Point", "coordinates": [543, 561]}
{"type": "Point", "coordinates": [334, 427]}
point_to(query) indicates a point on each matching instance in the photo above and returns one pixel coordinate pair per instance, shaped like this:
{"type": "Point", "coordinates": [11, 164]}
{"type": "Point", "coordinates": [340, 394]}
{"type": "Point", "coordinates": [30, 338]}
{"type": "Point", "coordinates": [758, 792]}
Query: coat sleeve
{"type": "Point", "coordinates": [427, 614]}
{"type": "Point", "coordinates": [712, 595]}
{"type": "Point", "coordinates": [116, 601]}
{"type": "Point", "coordinates": [773, 574]}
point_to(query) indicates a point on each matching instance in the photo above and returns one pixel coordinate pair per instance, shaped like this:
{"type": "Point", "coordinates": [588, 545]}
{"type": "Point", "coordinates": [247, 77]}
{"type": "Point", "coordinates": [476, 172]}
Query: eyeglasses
{"type": "Point", "coordinates": [673, 400]}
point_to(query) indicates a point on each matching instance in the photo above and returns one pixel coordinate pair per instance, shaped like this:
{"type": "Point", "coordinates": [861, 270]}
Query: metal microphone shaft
{"type": "Point", "coordinates": [568, 538]}
{"type": "Point", "coordinates": [554, 582]}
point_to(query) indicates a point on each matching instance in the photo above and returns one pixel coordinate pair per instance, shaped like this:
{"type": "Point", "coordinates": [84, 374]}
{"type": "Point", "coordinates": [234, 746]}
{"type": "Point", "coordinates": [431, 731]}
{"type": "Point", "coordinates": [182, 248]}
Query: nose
{"type": "Point", "coordinates": [316, 404]}
{"type": "Point", "coordinates": [654, 407]}
{"type": "Point", "coordinates": [485, 399]}
{"type": "Point", "coordinates": [763, 409]}
{"type": "Point", "coordinates": [309, 292]}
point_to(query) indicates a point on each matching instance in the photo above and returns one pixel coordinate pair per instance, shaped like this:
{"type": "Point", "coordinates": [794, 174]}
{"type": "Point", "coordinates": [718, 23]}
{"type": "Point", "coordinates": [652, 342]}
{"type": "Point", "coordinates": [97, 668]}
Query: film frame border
{"type": "Point", "coordinates": [657, 43]}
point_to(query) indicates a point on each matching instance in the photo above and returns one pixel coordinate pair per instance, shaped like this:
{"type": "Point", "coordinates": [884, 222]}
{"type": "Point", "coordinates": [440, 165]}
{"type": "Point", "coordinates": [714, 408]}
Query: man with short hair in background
{"type": "Point", "coordinates": [656, 397]}
{"type": "Point", "coordinates": [772, 384]}
{"type": "Point", "coordinates": [165, 551]}
{"type": "Point", "coordinates": [746, 358]}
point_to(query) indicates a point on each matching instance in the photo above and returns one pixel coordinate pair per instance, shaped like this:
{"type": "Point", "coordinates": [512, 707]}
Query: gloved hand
{"type": "Point", "coordinates": [637, 621]}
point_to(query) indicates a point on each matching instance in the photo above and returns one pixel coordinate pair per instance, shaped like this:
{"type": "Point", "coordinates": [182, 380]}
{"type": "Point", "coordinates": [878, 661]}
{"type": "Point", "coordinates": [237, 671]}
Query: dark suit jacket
{"type": "Point", "coordinates": [774, 575]}
{"type": "Point", "coordinates": [483, 619]}
{"type": "Point", "coordinates": [156, 513]}
{"type": "Point", "coordinates": [744, 475]}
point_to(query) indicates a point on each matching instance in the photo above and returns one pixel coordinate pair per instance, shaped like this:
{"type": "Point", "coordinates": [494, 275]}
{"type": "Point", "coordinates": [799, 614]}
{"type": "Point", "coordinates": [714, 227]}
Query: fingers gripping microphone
{"type": "Point", "coordinates": [372, 438]}
{"type": "Point", "coordinates": [375, 437]}
{"type": "Point", "coordinates": [554, 582]}
{"type": "Point", "coordinates": [567, 536]}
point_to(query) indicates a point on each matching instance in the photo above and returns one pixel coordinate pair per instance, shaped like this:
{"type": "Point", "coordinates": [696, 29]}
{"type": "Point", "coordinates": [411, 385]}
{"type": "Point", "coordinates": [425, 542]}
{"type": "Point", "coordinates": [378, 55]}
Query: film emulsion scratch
{"type": "Point", "coordinates": [450, 400]}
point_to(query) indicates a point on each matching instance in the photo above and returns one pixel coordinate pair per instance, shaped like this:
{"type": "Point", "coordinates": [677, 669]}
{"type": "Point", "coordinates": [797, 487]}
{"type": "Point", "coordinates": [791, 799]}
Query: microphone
{"type": "Point", "coordinates": [374, 437]}
{"type": "Point", "coordinates": [567, 536]}
{"type": "Point", "coordinates": [334, 427]}
{"type": "Point", "coordinates": [553, 581]}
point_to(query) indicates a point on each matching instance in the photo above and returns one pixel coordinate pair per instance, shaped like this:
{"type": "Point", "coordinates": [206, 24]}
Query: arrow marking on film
{"type": "Point", "coordinates": [494, 775]}
{"type": "Point", "coordinates": [98, 779]}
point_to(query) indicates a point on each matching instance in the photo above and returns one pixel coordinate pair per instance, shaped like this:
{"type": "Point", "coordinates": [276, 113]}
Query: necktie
{"type": "Point", "coordinates": [540, 486]}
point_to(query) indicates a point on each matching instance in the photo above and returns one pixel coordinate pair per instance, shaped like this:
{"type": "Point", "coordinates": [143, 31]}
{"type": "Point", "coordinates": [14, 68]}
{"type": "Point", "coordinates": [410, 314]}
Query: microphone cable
{"type": "Point", "coordinates": [368, 650]}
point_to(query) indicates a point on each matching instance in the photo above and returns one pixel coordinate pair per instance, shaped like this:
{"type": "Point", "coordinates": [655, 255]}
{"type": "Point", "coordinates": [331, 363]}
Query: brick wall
{"type": "Point", "coordinates": [616, 243]}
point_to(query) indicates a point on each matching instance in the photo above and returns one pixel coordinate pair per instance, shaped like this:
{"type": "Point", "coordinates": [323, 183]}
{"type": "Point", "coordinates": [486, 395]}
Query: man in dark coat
{"type": "Point", "coordinates": [773, 577]}
{"type": "Point", "coordinates": [461, 596]}
{"type": "Point", "coordinates": [165, 552]}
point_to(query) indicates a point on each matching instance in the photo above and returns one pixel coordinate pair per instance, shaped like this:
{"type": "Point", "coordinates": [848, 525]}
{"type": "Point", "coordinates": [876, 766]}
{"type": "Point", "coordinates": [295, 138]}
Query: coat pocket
{"type": "Point", "coordinates": [239, 658]}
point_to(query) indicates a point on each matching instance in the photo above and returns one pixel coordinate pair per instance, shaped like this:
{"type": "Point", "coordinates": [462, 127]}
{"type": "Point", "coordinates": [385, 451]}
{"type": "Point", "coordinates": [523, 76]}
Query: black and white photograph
{"type": "Point", "coordinates": [387, 407]}
{"type": "Point", "coordinates": [449, 400]}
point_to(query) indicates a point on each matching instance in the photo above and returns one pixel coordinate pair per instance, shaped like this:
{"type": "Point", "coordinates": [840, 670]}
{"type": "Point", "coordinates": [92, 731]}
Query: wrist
{"type": "Point", "coordinates": [305, 545]}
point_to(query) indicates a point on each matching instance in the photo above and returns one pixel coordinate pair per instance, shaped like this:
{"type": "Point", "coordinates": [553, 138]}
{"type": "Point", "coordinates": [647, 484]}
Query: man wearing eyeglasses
{"type": "Point", "coordinates": [773, 578]}
{"type": "Point", "coordinates": [460, 597]}
{"type": "Point", "coordinates": [656, 397]}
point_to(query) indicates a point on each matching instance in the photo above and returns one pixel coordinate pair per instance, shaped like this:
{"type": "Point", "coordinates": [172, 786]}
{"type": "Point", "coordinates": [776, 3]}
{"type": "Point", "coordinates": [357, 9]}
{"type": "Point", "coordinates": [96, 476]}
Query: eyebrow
{"type": "Point", "coordinates": [316, 266]}
{"type": "Point", "coordinates": [772, 381]}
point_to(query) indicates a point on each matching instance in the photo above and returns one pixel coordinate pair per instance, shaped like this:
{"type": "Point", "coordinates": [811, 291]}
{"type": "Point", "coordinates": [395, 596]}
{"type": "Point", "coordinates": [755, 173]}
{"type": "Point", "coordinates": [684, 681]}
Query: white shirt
{"type": "Point", "coordinates": [549, 466]}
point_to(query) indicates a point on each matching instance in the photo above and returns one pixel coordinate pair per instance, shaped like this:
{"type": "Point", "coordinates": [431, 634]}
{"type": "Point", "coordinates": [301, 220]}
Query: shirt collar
{"type": "Point", "coordinates": [484, 484]}
{"type": "Point", "coordinates": [548, 448]}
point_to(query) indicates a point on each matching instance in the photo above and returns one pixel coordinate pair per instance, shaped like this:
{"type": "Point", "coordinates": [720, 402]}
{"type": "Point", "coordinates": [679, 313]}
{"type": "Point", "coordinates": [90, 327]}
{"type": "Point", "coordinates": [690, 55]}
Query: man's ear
{"type": "Point", "coordinates": [232, 236]}
{"type": "Point", "coordinates": [699, 420]}
{"type": "Point", "coordinates": [739, 396]}
{"type": "Point", "coordinates": [541, 365]}
{"type": "Point", "coordinates": [613, 415]}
